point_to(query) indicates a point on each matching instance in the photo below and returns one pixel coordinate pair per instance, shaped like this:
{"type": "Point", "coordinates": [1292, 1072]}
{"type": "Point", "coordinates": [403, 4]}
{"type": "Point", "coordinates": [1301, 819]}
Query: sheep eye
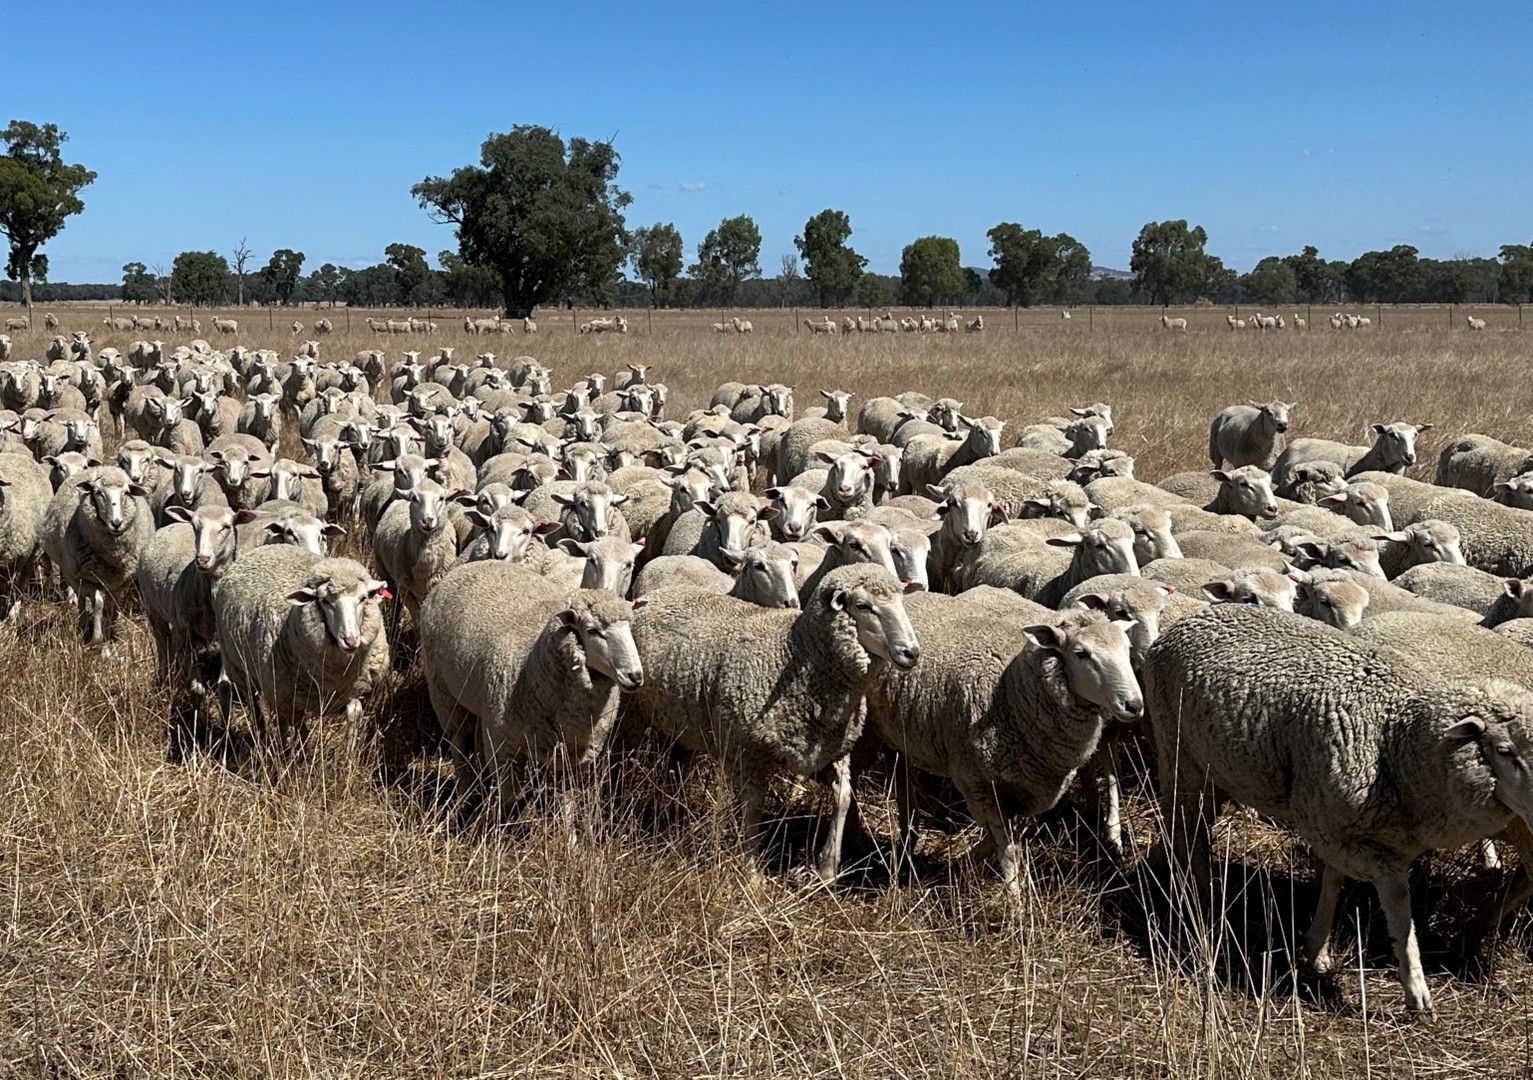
{"type": "Point", "coordinates": [1081, 652]}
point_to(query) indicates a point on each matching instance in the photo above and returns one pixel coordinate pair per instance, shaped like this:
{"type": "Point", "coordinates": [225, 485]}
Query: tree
{"type": "Point", "coordinates": [325, 283]}
{"type": "Point", "coordinates": [1515, 283]}
{"type": "Point", "coordinates": [1069, 279]}
{"type": "Point", "coordinates": [656, 254]}
{"type": "Point", "coordinates": [1271, 281]}
{"type": "Point", "coordinates": [876, 291]}
{"type": "Point", "coordinates": [1169, 262]}
{"type": "Point", "coordinates": [929, 271]}
{"type": "Point", "coordinates": [241, 257]}
{"type": "Point", "coordinates": [465, 285]}
{"type": "Point", "coordinates": [1021, 262]}
{"type": "Point", "coordinates": [371, 286]}
{"type": "Point", "coordinates": [410, 269]}
{"type": "Point", "coordinates": [727, 256]}
{"type": "Point", "coordinates": [281, 273]}
{"type": "Point", "coordinates": [548, 218]}
{"type": "Point", "coordinates": [138, 284]}
{"type": "Point", "coordinates": [1315, 278]}
{"type": "Point", "coordinates": [37, 193]}
{"type": "Point", "coordinates": [200, 277]}
{"type": "Point", "coordinates": [831, 266]}
{"type": "Point", "coordinates": [1385, 276]}
{"type": "Point", "coordinates": [788, 278]}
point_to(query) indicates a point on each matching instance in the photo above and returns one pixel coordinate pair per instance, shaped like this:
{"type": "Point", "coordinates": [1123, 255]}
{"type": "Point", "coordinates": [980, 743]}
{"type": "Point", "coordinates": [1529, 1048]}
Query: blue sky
{"type": "Point", "coordinates": [1349, 126]}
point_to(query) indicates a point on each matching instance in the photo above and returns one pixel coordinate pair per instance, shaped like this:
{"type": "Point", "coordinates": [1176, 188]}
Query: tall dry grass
{"type": "Point", "coordinates": [347, 919]}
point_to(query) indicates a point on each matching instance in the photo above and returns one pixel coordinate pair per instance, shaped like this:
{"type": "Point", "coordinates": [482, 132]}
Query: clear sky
{"type": "Point", "coordinates": [1347, 125]}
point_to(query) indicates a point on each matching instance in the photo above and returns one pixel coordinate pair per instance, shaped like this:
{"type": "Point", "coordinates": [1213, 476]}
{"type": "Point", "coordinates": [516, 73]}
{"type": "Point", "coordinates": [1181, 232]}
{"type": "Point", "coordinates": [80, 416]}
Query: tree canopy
{"type": "Point", "coordinates": [1516, 275]}
{"type": "Point", "coordinates": [1031, 267]}
{"type": "Point", "coordinates": [546, 216]}
{"type": "Point", "coordinates": [728, 256]}
{"type": "Point", "coordinates": [930, 273]}
{"type": "Point", "coordinates": [138, 284]}
{"type": "Point", "coordinates": [656, 254]}
{"type": "Point", "coordinates": [1169, 262]}
{"type": "Point", "coordinates": [200, 277]}
{"type": "Point", "coordinates": [830, 264]}
{"type": "Point", "coordinates": [280, 273]}
{"type": "Point", "coordinates": [38, 193]}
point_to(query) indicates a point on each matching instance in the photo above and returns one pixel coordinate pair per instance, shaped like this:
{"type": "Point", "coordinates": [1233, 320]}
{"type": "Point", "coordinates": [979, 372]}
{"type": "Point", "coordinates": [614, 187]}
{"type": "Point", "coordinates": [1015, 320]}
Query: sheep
{"type": "Point", "coordinates": [1244, 492]}
{"type": "Point", "coordinates": [261, 418]}
{"type": "Point", "coordinates": [1494, 538]}
{"type": "Point", "coordinates": [300, 635]}
{"type": "Point", "coordinates": [296, 482]}
{"type": "Point", "coordinates": [1249, 434]}
{"type": "Point", "coordinates": [1480, 464]}
{"type": "Point", "coordinates": [1370, 758]}
{"type": "Point", "coordinates": [1253, 586]}
{"type": "Point", "coordinates": [1044, 465]}
{"type": "Point", "coordinates": [1407, 497]}
{"type": "Point", "coordinates": [769, 690]}
{"type": "Point", "coordinates": [1008, 712]}
{"type": "Point", "coordinates": [1516, 492]}
{"type": "Point", "coordinates": [719, 529]}
{"type": "Point", "coordinates": [765, 576]}
{"type": "Point", "coordinates": [415, 543]}
{"type": "Point", "coordinates": [1168, 323]}
{"type": "Point", "coordinates": [976, 325]}
{"type": "Point", "coordinates": [879, 417]}
{"type": "Point", "coordinates": [1393, 451]}
{"type": "Point", "coordinates": [93, 531]}
{"type": "Point", "coordinates": [1362, 503]}
{"type": "Point", "coordinates": [1496, 599]}
{"type": "Point", "coordinates": [521, 668]}
{"type": "Point", "coordinates": [188, 486]}
{"type": "Point", "coordinates": [1474, 322]}
{"type": "Point", "coordinates": [25, 493]}
{"type": "Point", "coordinates": [175, 576]}
{"type": "Point", "coordinates": [1153, 538]}
{"type": "Point", "coordinates": [1093, 464]}
{"type": "Point", "coordinates": [930, 457]}
{"type": "Point", "coordinates": [834, 409]}
{"type": "Point", "coordinates": [1015, 557]}
{"type": "Point", "coordinates": [586, 511]}
{"type": "Point", "coordinates": [797, 512]}
{"type": "Point", "coordinates": [214, 414]}
{"type": "Point", "coordinates": [234, 456]}
{"type": "Point", "coordinates": [1384, 596]}
{"type": "Point", "coordinates": [17, 322]}
{"type": "Point", "coordinates": [323, 326]}
{"type": "Point", "coordinates": [826, 325]}
{"type": "Point", "coordinates": [226, 326]}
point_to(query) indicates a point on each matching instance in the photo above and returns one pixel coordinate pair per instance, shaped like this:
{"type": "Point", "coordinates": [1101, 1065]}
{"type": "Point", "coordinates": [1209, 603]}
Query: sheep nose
{"type": "Point", "coordinates": [907, 656]}
{"type": "Point", "coordinates": [971, 536]}
{"type": "Point", "coordinates": [1133, 708]}
{"type": "Point", "coordinates": [1282, 428]}
{"type": "Point", "coordinates": [844, 491]}
{"type": "Point", "coordinates": [790, 602]}
{"type": "Point", "coordinates": [204, 561]}
{"type": "Point", "coordinates": [631, 678]}
{"type": "Point", "coordinates": [350, 642]}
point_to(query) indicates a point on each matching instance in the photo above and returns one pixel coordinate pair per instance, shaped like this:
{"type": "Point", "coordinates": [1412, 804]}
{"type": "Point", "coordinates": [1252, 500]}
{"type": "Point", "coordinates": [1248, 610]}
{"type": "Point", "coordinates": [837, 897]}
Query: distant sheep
{"type": "Point", "coordinates": [1168, 323]}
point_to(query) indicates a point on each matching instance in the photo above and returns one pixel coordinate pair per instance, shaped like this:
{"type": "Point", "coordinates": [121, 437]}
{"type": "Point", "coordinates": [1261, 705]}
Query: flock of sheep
{"type": "Point", "coordinates": [888, 324]}
{"type": "Point", "coordinates": [810, 593]}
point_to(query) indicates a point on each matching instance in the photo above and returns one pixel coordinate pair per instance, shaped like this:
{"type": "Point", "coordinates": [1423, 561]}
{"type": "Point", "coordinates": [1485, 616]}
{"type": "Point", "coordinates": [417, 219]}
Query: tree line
{"type": "Point", "coordinates": [539, 221]}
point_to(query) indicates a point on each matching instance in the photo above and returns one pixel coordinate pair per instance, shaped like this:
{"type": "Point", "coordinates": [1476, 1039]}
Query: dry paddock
{"type": "Point", "coordinates": [346, 919]}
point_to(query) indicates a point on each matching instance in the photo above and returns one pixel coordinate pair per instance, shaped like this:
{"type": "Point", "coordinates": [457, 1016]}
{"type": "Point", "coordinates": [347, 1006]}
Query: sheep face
{"type": "Point", "coordinates": [1258, 588]}
{"type": "Point", "coordinates": [213, 535]}
{"type": "Point", "coordinates": [850, 476]}
{"type": "Point", "coordinates": [1516, 492]}
{"type": "Point", "coordinates": [768, 575]}
{"type": "Point", "coordinates": [287, 478]}
{"type": "Point", "coordinates": [836, 402]}
{"type": "Point", "coordinates": [326, 453]}
{"type": "Point", "coordinates": [1397, 443]}
{"type": "Point", "coordinates": [1498, 729]}
{"type": "Point", "coordinates": [592, 507]}
{"type": "Point", "coordinates": [733, 518]}
{"type": "Point", "coordinates": [797, 511]}
{"type": "Point", "coordinates": [1247, 491]}
{"type": "Point", "coordinates": [910, 549]}
{"type": "Point", "coordinates": [111, 499]}
{"type": "Point", "coordinates": [1097, 660]}
{"type": "Point", "coordinates": [859, 542]}
{"type": "Point", "coordinates": [1275, 415]}
{"type": "Point", "coordinates": [1364, 504]}
{"type": "Point", "coordinates": [1334, 602]}
{"type": "Point", "coordinates": [877, 607]}
{"type": "Point", "coordinates": [1153, 538]}
{"type": "Point", "coordinates": [185, 474]}
{"type": "Point", "coordinates": [299, 528]}
{"type": "Point", "coordinates": [348, 604]}
{"type": "Point", "coordinates": [509, 530]}
{"type": "Point", "coordinates": [944, 412]}
{"type": "Point", "coordinates": [967, 512]}
{"type": "Point", "coordinates": [1086, 434]}
{"type": "Point", "coordinates": [985, 435]}
{"type": "Point", "coordinates": [601, 628]}
{"type": "Point", "coordinates": [1105, 548]}
{"type": "Point", "coordinates": [1140, 605]}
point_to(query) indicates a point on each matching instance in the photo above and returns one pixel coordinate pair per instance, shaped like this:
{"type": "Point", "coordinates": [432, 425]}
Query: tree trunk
{"type": "Point", "coordinates": [26, 291]}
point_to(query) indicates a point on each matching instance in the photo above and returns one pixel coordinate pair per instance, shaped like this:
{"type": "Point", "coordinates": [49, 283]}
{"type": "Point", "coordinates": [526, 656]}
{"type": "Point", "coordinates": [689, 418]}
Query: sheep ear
{"type": "Point", "coordinates": [1469, 729]}
{"type": "Point", "coordinates": [1514, 588]}
{"type": "Point", "coordinates": [138, 490]}
{"type": "Point", "coordinates": [1067, 540]}
{"type": "Point", "coordinates": [542, 528]}
{"type": "Point", "coordinates": [825, 456]}
{"type": "Point", "coordinates": [298, 597]}
{"type": "Point", "coordinates": [1219, 475]}
{"type": "Point", "coordinates": [822, 504]}
{"type": "Point", "coordinates": [829, 532]}
{"type": "Point", "coordinates": [1081, 412]}
{"type": "Point", "coordinates": [1399, 536]}
{"type": "Point", "coordinates": [838, 600]}
{"type": "Point", "coordinates": [827, 395]}
{"type": "Point", "coordinates": [767, 513]}
{"type": "Point", "coordinates": [938, 493]}
{"type": "Point", "coordinates": [178, 513]}
{"type": "Point", "coordinates": [704, 507]}
{"type": "Point", "coordinates": [1423, 427]}
{"type": "Point", "coordinates": [1217, 590]}
{"type": "Point", "coordinates": [563, 500]}
{"type": "Point", "coordinates": [570, 546]}
{"type": "Point", "coordinates": [1045, 637]}
{"type": "Point", "coordinates": [242, 517]}
{"type": "Point", "coordinates": [332, 531]}
{"type": "Point", "coordinates": [478, 517]}
{"type": "Point", "coordinates": [1378, 429]}
{"type": "Point", "coordinates": [1338, 499]}
{"type": "Point", "coordinates": [1094, 601]}
{"type": "Point", "coordinates": [619, 500]}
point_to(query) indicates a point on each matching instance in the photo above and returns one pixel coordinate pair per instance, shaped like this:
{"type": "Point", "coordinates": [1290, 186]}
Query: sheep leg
{"type": "Point", "coordinates": [998, 835]}
{"type": "Point", "coordinates": [905, 800]}
{"type": "Point", "coordinates": [1317, 939]}
{"type": "Point", "coordinates": [1394, 891]}
{"type": "Point", "coordinates": [840, 781]}
{"type": "Point", "coordinates": [751, 794]}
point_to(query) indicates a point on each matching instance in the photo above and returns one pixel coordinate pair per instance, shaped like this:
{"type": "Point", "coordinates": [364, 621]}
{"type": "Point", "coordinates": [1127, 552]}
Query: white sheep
{"type": "Point", "coordinates": [93, 531]}
{"type": "Point", "coordinates": [1168, 323]}
{"type": "Point", "coordinates": [769, 691]}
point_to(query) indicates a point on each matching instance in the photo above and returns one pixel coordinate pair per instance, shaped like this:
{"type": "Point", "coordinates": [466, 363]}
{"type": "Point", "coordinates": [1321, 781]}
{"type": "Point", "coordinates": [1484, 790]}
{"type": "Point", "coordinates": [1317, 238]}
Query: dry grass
{"type": "Point", "coordinates": [190, 919]}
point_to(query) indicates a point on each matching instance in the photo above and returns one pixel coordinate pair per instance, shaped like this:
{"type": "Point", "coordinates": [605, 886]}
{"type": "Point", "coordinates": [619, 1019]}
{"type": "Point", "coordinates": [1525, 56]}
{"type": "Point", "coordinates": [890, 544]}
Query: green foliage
{"type": "Point", "coordinates": [280, 274]}
{"type": "Point", "coordinates": [138, 284]}
{"type": "Point", "coordinates": [1516, 277]}
{"type": "Point", "coordinates": [465, 285]}
{"type": "Point", "coordinates": [410, 269]}
{"type": "Point", "coordinates": [200, 277]}
{"type": "Point", "coordinates": [372, 286]}
{"type": "Point", "coordinates": [324, 284]}
{"type": "Point", "coordinates": [930, 273]}
{"type": "Point", "coordinates": [1388, 277]}
{"type": "Point", "coordinates": [727, 256]}
{"type": "Point", "coordinates": [830, 264]}
{"type": "Point", "coordinates": [1031, 267]}
{"type": "Point", "coordinates": [1169, 262]}
{"type": "Point", "coordinates": [656, 254]}
{"type": "Point", "coordinates": [1316, 281]}
{"type": "Point", "coordinates": [546, 217]}
{"type": "Point", "coordinates": [1271, 281]}
{"type": "Point", "coordinates": [38, 192]}
{"type": "Point", "coordinates": [876, 290]}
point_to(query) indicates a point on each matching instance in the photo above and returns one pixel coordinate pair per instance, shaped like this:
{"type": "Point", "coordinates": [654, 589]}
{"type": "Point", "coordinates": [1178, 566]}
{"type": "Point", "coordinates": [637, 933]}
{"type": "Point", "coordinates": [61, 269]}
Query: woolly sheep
{"type": "Point", "coordinates": [25, 494]}
{"type": "Point", "coordinates": [415, 543]}
{"type": "Point", "coordinates": [93, 531]}
{"type": "Point", "coordinates": [300, 635]}
{"type": "Point", "coordinates": [1418, 543]}
{"type": "Point", "coordinates": [1007, 712]}
{"type": "Point", "coordinates": [1494, 538]}
{"type": "Point", "coordinates": [1497, 599]}
{"type": "Point", "coordinates": [1516, 492]}
{"type": "Point", "coordinates": [770, 691]}
{"type": "Point", "coordinates": [1479, 463]}
{"type": "Point", "coordinates": [719, 529]}
{"type": "Point", "coordinates": [928, 458]}
{"type": "Point", "coordinates": [1393, 451]}
{"type": "Point", "coordinates": [766, 576]}
{"type": "Point", "coordinates": [1168, 323]}
{"type": "Point", "coordinates": [1045, 568]}
{"type": "Point", "coordinates": [1249, 434]}
{"type": "Point", "coordinates": [234, 457]}
{"type": "Point", "coordinates": [1372, 760]}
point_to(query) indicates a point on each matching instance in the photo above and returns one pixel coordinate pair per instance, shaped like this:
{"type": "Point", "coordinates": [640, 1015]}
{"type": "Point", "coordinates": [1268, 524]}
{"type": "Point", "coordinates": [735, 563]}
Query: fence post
{"type": "Point", "coordinates": [1016, 319]}
{"type": "Point", "coordinates": [1378, 312]}
{"type": "Point", "coordinates": [271, 319]}
{"type": "Point", "coordinates": [1451, 306]}
{"type": "Point", "coordinates": [1091, 314]}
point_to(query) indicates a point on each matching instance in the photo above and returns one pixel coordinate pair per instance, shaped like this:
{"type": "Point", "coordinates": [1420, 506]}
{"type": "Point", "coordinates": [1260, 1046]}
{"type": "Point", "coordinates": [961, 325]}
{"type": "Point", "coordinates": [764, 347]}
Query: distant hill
{"type": "Point", "coordinates": [1107, 273]}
